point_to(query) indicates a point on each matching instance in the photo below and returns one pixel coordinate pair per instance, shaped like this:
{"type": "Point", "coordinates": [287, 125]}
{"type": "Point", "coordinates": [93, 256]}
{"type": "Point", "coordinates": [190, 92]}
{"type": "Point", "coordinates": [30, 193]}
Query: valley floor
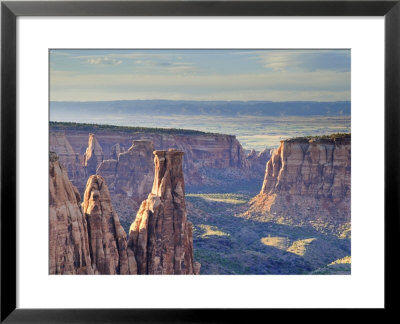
{"type": "Point", "coordinates": [225, 243]}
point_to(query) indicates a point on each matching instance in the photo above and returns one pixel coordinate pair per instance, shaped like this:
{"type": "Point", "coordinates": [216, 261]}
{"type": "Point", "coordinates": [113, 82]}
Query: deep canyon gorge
{"type": "Point", "coordinates": [155, 201]}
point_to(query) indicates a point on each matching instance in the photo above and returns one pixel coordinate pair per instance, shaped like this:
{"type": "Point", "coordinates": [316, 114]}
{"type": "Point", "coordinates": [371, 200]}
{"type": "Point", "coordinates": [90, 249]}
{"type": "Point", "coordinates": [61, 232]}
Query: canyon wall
{"type": "Point", "coordinates": [132, 173]}
{"type": "Point", "coordinates": [201, 150]}
{"type": "Point", "coordinates": [71, 160]}
{"type": "Point", "coordinates": [308, 183]}
{"type": "Point", "coordinates": [161, 236]}
{"type": "Point", "coordinates": [258, 160]}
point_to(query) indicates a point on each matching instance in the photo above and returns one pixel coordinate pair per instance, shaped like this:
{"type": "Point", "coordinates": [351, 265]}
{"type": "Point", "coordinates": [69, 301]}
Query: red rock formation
{"type": "Point", "coordinates": [201, 151]}
{"type": "Point", "coordinates": [257, 161]}
{"type": "Point", "coordinates": [161, 235]}
{"type": "Point", "coordinates": [132, 174]}
{"type": "Point", "coordinates": [69, 251]}
{"type": "Point", "coordinates": [129, 178]}
{"type": "Point", "coordinates": [307, 183]}
{"type": "Point", "coordinates": [71, 160]}
{"type": "Point", "coordinates": [107, 238]}
{"type": "Point", "coordinates": [93, 155]}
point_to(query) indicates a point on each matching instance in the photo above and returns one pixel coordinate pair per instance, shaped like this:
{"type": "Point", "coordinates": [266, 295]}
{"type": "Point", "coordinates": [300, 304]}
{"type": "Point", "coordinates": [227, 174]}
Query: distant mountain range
{"type": "Point", "coordinates": [209, 108]}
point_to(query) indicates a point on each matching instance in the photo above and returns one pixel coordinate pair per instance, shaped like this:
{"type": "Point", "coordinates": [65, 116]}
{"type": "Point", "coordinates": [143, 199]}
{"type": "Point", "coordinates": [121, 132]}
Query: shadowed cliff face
{"type": "Point", "coordinates": [108, 245]}
{"type": "Point", "coordinates": [161, 235]}
{"type": "Point", "coordinates": [68, 238]}
{"type": "Point", "coordinates": [308, 183]}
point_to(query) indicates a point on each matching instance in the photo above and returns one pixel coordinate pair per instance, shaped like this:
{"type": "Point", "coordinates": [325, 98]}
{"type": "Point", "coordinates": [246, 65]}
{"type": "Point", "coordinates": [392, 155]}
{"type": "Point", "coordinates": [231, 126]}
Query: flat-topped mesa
{"type": "Point", "coordinates": [107, 238]}
{"type": "Point", "coordinates": [161, 236]}
{"type": "Point", "coordinates": [308, 182]}
{"type": "Point", "coordinates": [132, 173]}
{"type": "Point", "coordinates": [202, 150]}
{"type": "Point", "coordinates": [93, 155]}
{"type": "Point", "coordinates": [69, 251]}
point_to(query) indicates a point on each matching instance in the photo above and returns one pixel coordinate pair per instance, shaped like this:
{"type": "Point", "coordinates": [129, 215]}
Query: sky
{"type": "Point", "coordinates": [273, 75]}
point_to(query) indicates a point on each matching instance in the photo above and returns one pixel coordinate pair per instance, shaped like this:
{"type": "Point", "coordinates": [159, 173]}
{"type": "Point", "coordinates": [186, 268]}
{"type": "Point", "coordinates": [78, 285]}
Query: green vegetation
{"type": "Point", "coordinates": [338, 267]}
{"type": "Point", "coordinates": [322, 138]}
{"type": "Point", "coordinates": [60, 126]}
{"type": "Point", "coordinates": [225, 243]}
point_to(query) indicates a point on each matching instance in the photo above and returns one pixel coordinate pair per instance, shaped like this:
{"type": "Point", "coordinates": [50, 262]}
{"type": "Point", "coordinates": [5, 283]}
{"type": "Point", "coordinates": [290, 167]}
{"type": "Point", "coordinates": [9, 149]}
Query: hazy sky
{"type": "Point", "coordinates": [277, 75]}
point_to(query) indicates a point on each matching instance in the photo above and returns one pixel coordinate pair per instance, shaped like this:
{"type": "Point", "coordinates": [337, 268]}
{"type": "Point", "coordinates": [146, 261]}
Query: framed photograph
{"type": "Point", "coordinates": [164, 158]}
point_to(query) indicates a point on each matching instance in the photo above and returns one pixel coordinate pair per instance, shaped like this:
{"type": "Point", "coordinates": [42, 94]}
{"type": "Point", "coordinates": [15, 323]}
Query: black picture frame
{"type": "Point", "coordinates": [10, 10]}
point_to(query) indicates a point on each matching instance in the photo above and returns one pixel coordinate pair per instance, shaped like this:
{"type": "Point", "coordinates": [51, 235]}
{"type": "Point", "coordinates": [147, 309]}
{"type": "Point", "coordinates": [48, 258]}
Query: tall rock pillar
{"type": "Point", "coordinates": [161, 235]}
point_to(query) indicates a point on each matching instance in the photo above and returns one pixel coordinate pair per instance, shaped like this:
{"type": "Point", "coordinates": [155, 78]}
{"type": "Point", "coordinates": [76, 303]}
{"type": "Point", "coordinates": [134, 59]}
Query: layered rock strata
{"type": "Point", "coordinates": [93, 155]}
{"type": "Point", "coordinates": [115, 151]}
{"type": "Point", "coordinates": [72, 161]}
{"type": "Point", "coordinates": [307, 183]}
{"type": "Point", "coordinates": [69, 251]}
{"type": "Point", "coordinates": [107, 238]}
{"type": "Point", "coordinates": [201, 151]}
{"type": "Point", "coordinates": [132, 173]}
{"type": "Point", "coordinates": [161, 236]}
{"type": "Point", "coordinates": [258, 160]}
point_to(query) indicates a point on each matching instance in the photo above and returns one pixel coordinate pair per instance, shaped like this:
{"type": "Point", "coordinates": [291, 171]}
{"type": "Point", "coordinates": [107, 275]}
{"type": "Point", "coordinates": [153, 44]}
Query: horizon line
{"type": "Point", "coordinates": [198, 100]}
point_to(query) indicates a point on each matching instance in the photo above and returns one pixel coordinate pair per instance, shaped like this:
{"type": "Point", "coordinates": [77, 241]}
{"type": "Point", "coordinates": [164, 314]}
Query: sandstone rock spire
{"type": "Point", "coordinates": [69, 251]}
{"type": "Point", "coordinates": [161, 235]}
{"type": "Point", "coordinates": [107, 238]}
{"type": "Point", "coordinates": [93, 155]}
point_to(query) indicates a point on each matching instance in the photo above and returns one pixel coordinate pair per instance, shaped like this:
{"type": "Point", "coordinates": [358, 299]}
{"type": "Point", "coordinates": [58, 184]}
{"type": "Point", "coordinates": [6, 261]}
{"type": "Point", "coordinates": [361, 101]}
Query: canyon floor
{"type": "Point", "coordinates": [226, 243]}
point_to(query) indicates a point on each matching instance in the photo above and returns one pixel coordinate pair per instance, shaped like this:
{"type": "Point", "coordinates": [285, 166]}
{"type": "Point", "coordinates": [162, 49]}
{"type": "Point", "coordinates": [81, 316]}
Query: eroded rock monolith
{"type": "Point", "coordinates": [107, 238]}
{"type": "Point", "coordinates": [69, 251]}
{"type": "Point", "coordinates": [161, 236]}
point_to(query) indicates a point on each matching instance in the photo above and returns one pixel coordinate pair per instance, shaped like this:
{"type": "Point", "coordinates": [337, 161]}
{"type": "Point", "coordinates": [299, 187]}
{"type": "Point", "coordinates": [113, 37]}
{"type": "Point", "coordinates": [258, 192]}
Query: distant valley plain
{"type": "Point", "coordinates": [256, 125]}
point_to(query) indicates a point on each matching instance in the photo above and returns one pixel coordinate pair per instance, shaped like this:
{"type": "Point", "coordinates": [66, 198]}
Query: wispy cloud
{"type": "Point", "coordinates": [104, 61]}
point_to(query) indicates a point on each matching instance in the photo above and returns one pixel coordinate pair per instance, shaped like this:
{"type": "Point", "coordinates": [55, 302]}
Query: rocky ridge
{"type": "Point", "coordinates": [202, 151]}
